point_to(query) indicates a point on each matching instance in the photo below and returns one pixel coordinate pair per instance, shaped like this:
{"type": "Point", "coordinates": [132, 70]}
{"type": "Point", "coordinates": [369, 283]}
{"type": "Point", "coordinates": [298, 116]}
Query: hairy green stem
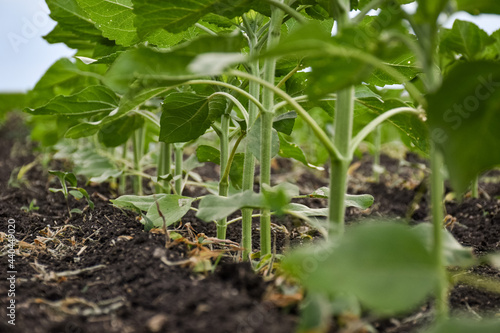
{"type": "Point", "coordinates": [475, 187]}
{"type": "Point", "coordinates": [376, 159]}
{"type": "Point", "coordinates": [273, 38]}
{"type": "Point", "coordinates": [164, 166]}
{"type": "Point", "coordinates": [437, 194]}
{"type": "Point", "coordinates": [178, 169]}
{"type": "Point", "coordinates": [224, 159]}
{"type": "Point", "coordinates": [249, 167]}
{"type": "Point", "coordinates": [338, 174]}
{"type": "Point", "coordinates": [123, 178]}
{"type": "Point", "coordinates": [138, 143]}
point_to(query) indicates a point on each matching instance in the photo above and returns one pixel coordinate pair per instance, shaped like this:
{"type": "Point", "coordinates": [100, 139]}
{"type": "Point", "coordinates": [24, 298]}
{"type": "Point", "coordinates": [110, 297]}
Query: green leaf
{"type": "Point", "coordinates": [306, 211]}
{"type": "Point", "coordinates": [72, 18]}
{"type": "Point", "coordinates": [114, 18]}
{"type": "Point", "coordinates": [62, 78]}
{"type": "Point", "coordinates": [254, 137]}
{"type": "Point", "coordinates": [456, 325]}
{"type": "Point", "coordinates": [404, 63]}
{"type": "Point", "coordinates": [177, 16]}
{"type": "Point", "coordinates": [291, 150]}
{"type": "Point", "coordinates": [68, 37]}
{"type": "Point", "coordinates": [127, 103]}
{"type": "Point", "coordinates": [284, 122]}
{"type": "Point", "coordinates": [361, 201]}
{"type": "Point", "coordinates": [467, 39]}
{"type": "Point", "coordinates": [454, 253]}
{"type": "Point", "coordinates": [119, 131]}
{"type": "Point", "coordinates": [385, 265]}
{"type": "Point", "coordinates": [463, 110]}
{"type": "Point", "coordinates": [476, 7]}
{"type": "Point", "coordinates": [278, 197]}
{"type": "Point", "coordinates": [136, 202]}
{"type": "Point", "coordinates": [154, 68]}
{"type": "Point", "coordinates": [211, 154]}
{"type": "Point", "coordinates": [173, 208]}
{"type": "Point", "coordinates": [77, 194]}
{"type": "Point", "coordinates": [213, 207]}
{"type": "Point", "coordinates": [187, 116]}
{"type": "Point", "coordinates": [88, 102]}
{"type": "Point", "coordinates": [208, 154]}
{"type": "Point", "coordinates": [411, 126]}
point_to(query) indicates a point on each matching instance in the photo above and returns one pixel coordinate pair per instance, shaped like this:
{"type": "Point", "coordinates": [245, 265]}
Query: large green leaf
{"type": "Point", "coordinates": [68, 37]}
{"type": "Point", "coordinates": [90, 101]}
{"type": "Point", "coordinates": [213, 207]}
{"type": "Point", "coordinates": [385, 265]}
{"type": "Point", "coordinates": [114, 18]}
{"type": "Point", "coordinates": [463, 117]}
{"type": "Point", "coordinates": [411, 126]}
{"type": "Point", "coordinates": [476, 7]}
{"type": "Point", "coordinates": [62, 78]}
{"type": "Point", "coordinates": [154, 68]}
{"type": "Point", "coordinates": [466, 39]}
{"type": "Point", "coordinates": [172, 206]}
{"type": "Point", "coordinates": [187, 116]}
{"type": "Point", "coordinates": [127, 103]}
{"type": "Point", "coordinates": [72, 18]}
{"type": "Point", "coordinates": [119, 131]}
{"type": "Point", "coordinates": [177, 16]}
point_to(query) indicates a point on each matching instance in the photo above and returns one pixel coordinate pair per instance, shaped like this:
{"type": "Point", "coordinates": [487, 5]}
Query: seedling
{"type": "Point", "coordinates": [31, 208]}
{"type": "Point", "coordinates": [69, 178]}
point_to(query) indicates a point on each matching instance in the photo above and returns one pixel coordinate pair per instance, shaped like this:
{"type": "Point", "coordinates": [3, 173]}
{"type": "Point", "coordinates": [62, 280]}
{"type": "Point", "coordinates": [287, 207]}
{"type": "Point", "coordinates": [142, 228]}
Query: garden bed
{"type": "Point", "coordinates": [100, 272]}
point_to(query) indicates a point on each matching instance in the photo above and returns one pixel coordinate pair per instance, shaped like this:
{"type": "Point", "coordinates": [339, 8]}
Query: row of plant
{"type": "Point", "coordinates": [229, 80]}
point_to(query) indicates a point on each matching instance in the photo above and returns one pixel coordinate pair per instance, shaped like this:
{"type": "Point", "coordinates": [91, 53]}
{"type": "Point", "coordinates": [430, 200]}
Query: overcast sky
{"type": "Point", "coordinates": [25, 56]}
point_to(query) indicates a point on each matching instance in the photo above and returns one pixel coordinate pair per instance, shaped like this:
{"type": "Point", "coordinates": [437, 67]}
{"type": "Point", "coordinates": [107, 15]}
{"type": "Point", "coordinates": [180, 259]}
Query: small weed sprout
{"type": "Point", "coordinates": [78, 193]}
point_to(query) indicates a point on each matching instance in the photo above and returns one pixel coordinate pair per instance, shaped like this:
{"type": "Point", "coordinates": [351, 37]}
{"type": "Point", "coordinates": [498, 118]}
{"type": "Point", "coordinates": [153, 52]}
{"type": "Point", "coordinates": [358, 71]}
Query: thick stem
{"type": "Point", "coordinates": [475, 187]}
{"type": "Point", "coordinates": [223, 183]}
{"type": "Point", "coordinates": [178, 169]}
{"type": "Point", "coordinates": [138, 142]}
{"type": "Point", "coordinates": [376, 153]}
{"type": "Point", "coordinates": [266, 128]}
{"type": "Point", "coordinates": [123, 178]}
{"type": "Point", "coordinates": [338, 173]}
{"type": "Point", "coordinates": [437, 193]}
{"type": "Point", "coordinates": [164, 166]}
{"type": "Point", "coordinates": [249, 170]}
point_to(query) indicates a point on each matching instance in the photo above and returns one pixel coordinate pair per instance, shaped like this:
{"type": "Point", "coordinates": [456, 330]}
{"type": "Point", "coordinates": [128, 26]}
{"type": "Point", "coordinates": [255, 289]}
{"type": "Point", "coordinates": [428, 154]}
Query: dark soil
{"type": "Point", "coordinates": [100, 272]}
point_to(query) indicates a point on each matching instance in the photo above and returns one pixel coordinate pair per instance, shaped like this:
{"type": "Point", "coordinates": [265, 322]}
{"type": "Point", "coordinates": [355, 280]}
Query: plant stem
{"type": "Point", "coordinates": [164, 166]}
{"type": "Point", "coordinates": [249, 164]}
{"type": "Point", "coordinates": [266, 128]}
{"type": "Point", "coordinates": [475, 187]}
{"type": "Point", "coordinates": [376, 153]}
{"type": "Point", "coordinates": [338, 173]}
{"type": "Point", "coordinates": [224, 158]}
{"type": "Point", "coordinates": [123, 178]}
{"type": "Point", "coordinates": [178, 168]}
{"type": "Point", "coordinates": [437, 193]}
{"type": "Point", "coordinates": [344, 114]}
{"type": "Point", "coordinates": [138, 142]}
{"type": "Point", "coordinates": [318, 131]}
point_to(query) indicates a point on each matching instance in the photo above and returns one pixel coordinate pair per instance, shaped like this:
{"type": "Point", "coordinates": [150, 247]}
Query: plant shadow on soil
{"type": "Point", "coordinates": [100, 272]}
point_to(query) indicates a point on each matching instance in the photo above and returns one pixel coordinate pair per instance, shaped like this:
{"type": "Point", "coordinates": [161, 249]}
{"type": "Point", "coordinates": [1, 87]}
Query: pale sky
{"type": "Point", "coordinates": [25, 56]}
